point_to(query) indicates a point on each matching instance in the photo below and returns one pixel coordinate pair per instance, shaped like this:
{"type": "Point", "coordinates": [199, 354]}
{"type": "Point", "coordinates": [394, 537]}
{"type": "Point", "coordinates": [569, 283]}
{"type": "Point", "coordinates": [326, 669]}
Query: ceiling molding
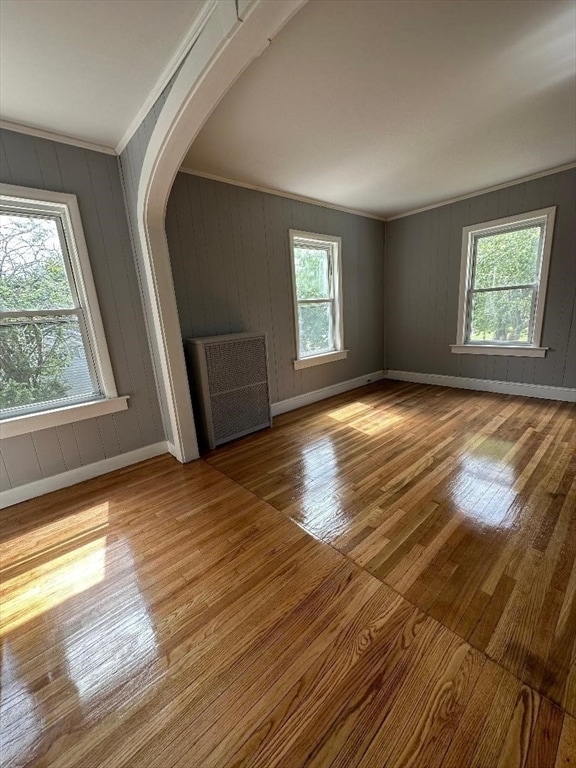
{"type": "Point", "coordinates": [169, 70]}
{"type": "Point", "coordinates": [278, 193]}
{"type": "Point", "coordinates": [324, 204]}
{"type": "Point", "coordinates": [486, 190]}
{"type": "Point", "coordinates": [29, 130]}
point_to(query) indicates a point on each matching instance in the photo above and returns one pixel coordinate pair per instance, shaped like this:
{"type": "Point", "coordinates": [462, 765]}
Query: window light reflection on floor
{"type": "Point", "coordinates": [21, 724]}
{"type": "Point", "coordinates": [484, 490]}
{"type": "Point", "coordinates": [119, 643]}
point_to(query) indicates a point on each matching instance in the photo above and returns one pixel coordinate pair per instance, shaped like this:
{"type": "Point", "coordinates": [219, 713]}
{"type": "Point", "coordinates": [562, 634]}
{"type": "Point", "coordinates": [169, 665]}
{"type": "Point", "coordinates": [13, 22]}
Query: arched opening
{"type": "Point", "coordinates": [197, 89]}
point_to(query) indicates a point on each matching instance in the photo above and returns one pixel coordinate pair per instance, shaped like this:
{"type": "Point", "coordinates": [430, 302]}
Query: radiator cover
{"type": "Point", "coordinates": [229, 385]}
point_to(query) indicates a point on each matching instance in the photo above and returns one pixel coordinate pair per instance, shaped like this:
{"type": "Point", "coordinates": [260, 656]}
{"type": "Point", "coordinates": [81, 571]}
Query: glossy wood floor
{"type": "Point", "coordinates": [463, 502]}
{"type": "Point", "coordinates": [166, 616]}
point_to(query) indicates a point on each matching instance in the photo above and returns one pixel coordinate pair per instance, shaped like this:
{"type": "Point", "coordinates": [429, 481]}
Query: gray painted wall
{"type": "Point", "coordinates": [131, 162]}
{"type": "Point", "coordinates": [231, 264]}
{"type": "Point", "coordinates": [423, 254]}
{"type": "Point", "coordinates": [95, 179]}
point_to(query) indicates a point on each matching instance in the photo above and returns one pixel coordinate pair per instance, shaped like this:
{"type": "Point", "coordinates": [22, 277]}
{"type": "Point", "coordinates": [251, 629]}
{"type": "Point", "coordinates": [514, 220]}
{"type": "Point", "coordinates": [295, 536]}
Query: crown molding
{"type": "Point", "coordinates": [279, 193]}
{"type": "Point", "coordinates": [61, 138]}
{"type": "Point", "coordinates": [324, 204]}
{"type": "Point", "coordinates": [486, 190]}
{"type": "Point", "coordinates": [170, 69]}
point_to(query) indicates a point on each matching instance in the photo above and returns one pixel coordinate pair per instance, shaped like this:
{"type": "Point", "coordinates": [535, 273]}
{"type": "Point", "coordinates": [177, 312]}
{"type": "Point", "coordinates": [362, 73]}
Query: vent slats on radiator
{"type": "Point", "coordinates": [235, 364]}
{"type": "Point", "coordinates": [229, 382]}
{"type": "Point", "coordinates": [240, 411]}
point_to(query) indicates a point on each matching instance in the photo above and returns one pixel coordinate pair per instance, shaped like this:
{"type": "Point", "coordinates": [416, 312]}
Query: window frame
{"type": "Point", "coordinates": [543, 216]}
{"type": "Point", "coordinates": [333, 244]}
{"type": "Point", "coordinates": [64, 208]}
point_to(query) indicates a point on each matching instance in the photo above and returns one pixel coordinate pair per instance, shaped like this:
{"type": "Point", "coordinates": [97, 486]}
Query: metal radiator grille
{"type": "Point", "coordinates": [235, 364]}
{"type": "Point", "coordinates": [229, 385]}
{"type": "Point", "coordinates": [240, 411]}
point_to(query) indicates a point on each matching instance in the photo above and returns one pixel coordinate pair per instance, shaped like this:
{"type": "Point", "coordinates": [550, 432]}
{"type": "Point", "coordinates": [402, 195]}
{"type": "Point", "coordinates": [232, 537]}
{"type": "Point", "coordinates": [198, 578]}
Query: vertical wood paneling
{"type": "Point", "coordinates": [48, 453]}
{"type": "Point", "coordinates": [20, 460]}
{"type": "Point", "coordinates": [95, 179]}
{"type": "Point", "coordinates": [66, 437]}
{"type": "Point", "coordinates": [230, 257]}
{"type": "Point", "coordinates": [5, 482]}
{"type": "Point", "coordinates": [130, 163]}
{"type": "Point", "coordinates": [422, 282]}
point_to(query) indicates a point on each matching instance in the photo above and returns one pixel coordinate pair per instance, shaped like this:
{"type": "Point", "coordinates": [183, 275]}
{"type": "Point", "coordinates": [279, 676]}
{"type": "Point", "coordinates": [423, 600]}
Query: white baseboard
{"type": "Point", "coordinates": [73, 476]}
{"type": "Point", "coordinates": [485, 385]}
{"type": "Point", "coordinates": [283, 406]}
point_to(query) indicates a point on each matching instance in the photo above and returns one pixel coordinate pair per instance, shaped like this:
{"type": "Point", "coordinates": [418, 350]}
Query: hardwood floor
{"type": "Point", "coordinates": [463, 502]}
{"type": "Point", "coordinates": [164, 615]}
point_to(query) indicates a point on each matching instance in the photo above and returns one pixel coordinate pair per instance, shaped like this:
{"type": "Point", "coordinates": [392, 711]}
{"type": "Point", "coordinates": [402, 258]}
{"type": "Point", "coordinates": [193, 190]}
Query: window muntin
{"type": "Point", "coordinates": [317, 294]}
{"type": "Point", "coordinates": [503, 285]}
{"type": "Point", "coordinates": [52, 348]}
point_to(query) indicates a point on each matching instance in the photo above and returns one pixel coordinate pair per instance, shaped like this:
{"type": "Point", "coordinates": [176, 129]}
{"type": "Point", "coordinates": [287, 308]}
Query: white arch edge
{"type": "Point", "coordinates": [224, 49]}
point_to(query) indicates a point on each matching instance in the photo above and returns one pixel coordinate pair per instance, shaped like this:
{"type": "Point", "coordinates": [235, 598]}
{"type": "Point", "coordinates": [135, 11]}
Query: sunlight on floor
{"type": "Point", "coordinates": [365, 418]}
{"type": "Point", "coordinates": [51, 583]}
{"type": "Point", "coordinates": [100, 649]}
{"type": "Point", "coordinates": [348, 411]}
{"type": "Point", "coordinates": [64, 531]}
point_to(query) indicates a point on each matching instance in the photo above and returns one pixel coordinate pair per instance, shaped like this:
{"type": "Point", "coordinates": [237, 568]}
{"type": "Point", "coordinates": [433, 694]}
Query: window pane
{"type": "Point", "coordinates": [508, 258]}
{"type": "Point", "coordinates": [41, 361]}
{"type": "Point", "coordinates": [32, 271]}
{"type": "Point", "coordinates": [501, 316]}
{"type": "Point", "coordinates": [312, 278]}
{"type": "Point", "coordinates": [315, 322]}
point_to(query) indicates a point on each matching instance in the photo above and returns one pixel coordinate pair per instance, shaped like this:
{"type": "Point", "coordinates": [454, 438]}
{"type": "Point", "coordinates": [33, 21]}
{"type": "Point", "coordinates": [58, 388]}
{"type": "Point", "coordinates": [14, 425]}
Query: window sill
{"type": "Point", "coordinates": [308, 362]}
{"type": "Point", "coordinates": [494, 349]}
{"type": "Point", "coordinates": [32, 422]}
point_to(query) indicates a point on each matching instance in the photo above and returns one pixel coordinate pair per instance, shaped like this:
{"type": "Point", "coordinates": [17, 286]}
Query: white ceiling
{"type": "Point", "coordinates": [387, 106]}
{"type": "Point", "coordinates": [84, 68]}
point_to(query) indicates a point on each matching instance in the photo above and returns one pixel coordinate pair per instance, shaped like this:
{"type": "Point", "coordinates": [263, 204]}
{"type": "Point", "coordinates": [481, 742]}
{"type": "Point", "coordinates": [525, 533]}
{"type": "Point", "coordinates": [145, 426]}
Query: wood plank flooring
{"type": "Point", "coordinates": [164, 615]}
{"type": "Point", "coordinates": [463, 502]}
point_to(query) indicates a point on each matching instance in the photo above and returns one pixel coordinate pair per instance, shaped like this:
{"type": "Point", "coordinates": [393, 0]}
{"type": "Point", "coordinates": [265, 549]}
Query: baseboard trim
{"type": "Point", "coordinates": [73, 476]}
{"type": "Point", "coordinates": [283, 406]}
{"type": "Point", "coordinates": [483, 385]}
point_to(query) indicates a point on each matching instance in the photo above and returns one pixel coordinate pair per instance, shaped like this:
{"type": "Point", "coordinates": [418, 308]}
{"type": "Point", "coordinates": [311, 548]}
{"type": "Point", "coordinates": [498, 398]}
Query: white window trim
{"type": "Point", "coordinates": [312, 360]}
{"type": "Point", "coordinates": [66, 205]}
{"type": "Point", "coordinates": [511, 350]}
{"type": "Point", "coordinates": [338, 353]}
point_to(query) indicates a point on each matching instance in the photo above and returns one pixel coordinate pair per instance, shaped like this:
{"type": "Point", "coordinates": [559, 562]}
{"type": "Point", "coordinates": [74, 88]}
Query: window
{"type": "Point", "coordinates": [54, 364]}
{"type": "Point", "coordinates": [317, 298]}
{"type": "Point", "coordinates": [503, 285]}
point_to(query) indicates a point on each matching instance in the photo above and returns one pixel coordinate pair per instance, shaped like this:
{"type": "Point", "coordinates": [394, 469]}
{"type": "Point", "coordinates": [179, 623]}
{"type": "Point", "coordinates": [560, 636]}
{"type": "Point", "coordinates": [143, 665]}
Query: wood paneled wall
{"type": "Point", "coordinates": [131, 161]}
{"type": "Point", "coordinates": [95, 179]}
{"type": "Point", "coordinates": [422, 282]}
{"type": "Point", "coordinates": [230, 258]}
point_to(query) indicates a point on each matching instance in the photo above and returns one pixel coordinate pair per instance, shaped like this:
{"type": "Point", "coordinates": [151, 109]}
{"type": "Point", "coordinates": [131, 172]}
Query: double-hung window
{"type": "Point", "coordinates": [503, 281]}
{"type": "Point", "coordinates": [54, 363]}
{"type": "Point", "coordinates": [317, 283]}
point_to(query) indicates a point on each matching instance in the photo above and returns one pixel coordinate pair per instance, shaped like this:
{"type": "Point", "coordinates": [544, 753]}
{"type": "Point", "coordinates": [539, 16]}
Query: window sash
{"type": "Point", "coordinates": [512, 342]}
{"type": "Point", "coordinates": [25, 317]}
{"type": "Point", "coordinates": [329, 251]}
{"type": "Point", "coordinates": [534, 287]}
{"type": "Point", "coordinates": [37, 313]}
{"type": "Point", "coordinates": [321, 300]}
{"type": "Point", "coordinates": [332, 336]}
